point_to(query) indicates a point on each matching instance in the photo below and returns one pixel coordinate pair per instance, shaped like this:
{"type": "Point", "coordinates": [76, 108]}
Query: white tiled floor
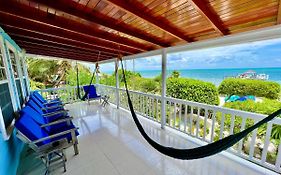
{"type": "Point", "coordinates": [110, 144]}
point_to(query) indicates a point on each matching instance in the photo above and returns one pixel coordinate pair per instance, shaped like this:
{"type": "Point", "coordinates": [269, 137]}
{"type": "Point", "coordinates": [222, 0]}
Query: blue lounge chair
{"type": "Point", "coordinates": [44, 101]}
{"type": "Point", "coordinates": [50, 114]}
{"type": "Point", "coordinates": [45, 144]}
{"type": "Point", "coordinates": [91, 93]}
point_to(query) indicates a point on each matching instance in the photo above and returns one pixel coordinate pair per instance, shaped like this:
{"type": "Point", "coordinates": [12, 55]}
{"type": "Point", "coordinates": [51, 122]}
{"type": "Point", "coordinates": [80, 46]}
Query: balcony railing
{"type": "Point", "coordinates": [205, 122]}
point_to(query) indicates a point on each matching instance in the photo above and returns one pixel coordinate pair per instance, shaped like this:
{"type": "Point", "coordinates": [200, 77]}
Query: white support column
{"type": "Point", "coordinates": [134, 65]}
{"type": "Point", "coordinates": [163, 91]}
{"type": "Point", "coordinates": [117, 83]}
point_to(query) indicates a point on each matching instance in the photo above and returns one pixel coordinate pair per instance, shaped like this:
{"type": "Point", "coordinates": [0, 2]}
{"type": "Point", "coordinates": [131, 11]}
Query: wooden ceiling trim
{"type": "Point", "coordinates": [60, 55]}
{"type": "Point", "coordinates": [39, 48]}
{"type": "Point", "coordinates": [35, 15]}
{"type": "Point", "coordinates": [245, 10]}
{"type": "Point", "coordinates": [48, 39]}
{"type": "Point", "coordinates": [58, 50]}
{"type": "Point", "coordinates": [32, 26]}
{"type": "Point", "coordinates": [279, 13]}
{"type": "Point", "coordinates": [95, 16]}
{"type": "Point", "coordinates": [252, 16]}
{"type": "Point", "coordinates": [60, 47]}
{"type": "Point", "coordinates": [138, 9]}
{"type": "Point", "coordinates": [206, 11]}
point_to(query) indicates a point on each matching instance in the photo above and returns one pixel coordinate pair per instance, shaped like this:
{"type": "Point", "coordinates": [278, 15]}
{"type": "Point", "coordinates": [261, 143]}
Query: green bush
{"type": "Point", "coordinates": [267, 106]}
{"type": "Point", "coordinates": [233, 86]}
{"type": "Point", "coordinates": [192, 90]}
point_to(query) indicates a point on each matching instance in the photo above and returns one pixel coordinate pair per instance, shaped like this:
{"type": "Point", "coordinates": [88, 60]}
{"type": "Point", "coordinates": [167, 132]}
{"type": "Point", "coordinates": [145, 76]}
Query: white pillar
{"type": "Point", "coordinates": [134, 65]}
{"type": "Point", "coordinates": [117, 83]}
{"type": "Point", "coordinates": [163, 90]}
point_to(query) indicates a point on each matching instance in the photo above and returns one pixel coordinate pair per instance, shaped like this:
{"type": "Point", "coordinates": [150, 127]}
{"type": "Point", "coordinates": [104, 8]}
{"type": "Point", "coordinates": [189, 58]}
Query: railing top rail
{"type": "Point", "coordinates": [207, 106]}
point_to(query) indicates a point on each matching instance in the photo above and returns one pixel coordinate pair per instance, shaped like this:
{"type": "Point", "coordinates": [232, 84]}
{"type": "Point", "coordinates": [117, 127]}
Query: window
{"type": "Point", "coordinates": [2, 68]}
{"type": "Point", "coordinates": [14, 63]}
{"type": "Point", "coordinates": [22, 66]}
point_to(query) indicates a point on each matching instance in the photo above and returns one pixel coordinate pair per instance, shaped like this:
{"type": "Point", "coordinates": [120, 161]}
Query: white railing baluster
{"type": "Point", "coordinates": [191, 120]}
{"type": "Point", "coordinates": [153, 110]}
{"type": "Point", "coordinates": [222, 125]}
{"type": "Point", "coordinates": [205, 123]}
{"type": "Point", "coordinates": [253, 141]}
{"type": "Point", "coordinates": [171, 115]}
{"type": "Point", "coordinates": [180, 116]}
{"type": "Point", "coordinates": [278, 159]}
{"type": "Point", "coordinates": [175, 114]}
{"type": "Point", "coordinates": [266, 143]}
{"type": "Point", "coordinates": [185, 117]}
{"type": "Point", "coordinates": [197, 122]}
{"type": "Point", "coordinates": [157, 110]}
{"type": "Point", "coordinates": [213, 125]}
{"type": "Point", "coordinates": [241, 129]}
{"type": "Point", "coordinates": [232, 124]}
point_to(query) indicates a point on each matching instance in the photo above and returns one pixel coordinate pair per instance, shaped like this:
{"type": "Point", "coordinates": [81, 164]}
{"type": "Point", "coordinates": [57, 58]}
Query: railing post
{"type": "Point", "coordinates": [163, 90]}
{"type": "Point", "coordinates": [117, 83]}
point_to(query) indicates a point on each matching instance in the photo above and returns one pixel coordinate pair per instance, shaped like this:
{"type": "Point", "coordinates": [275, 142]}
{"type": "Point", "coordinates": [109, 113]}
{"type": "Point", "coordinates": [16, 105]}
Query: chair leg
{"type": "Point", "coordinates": [76, 151]}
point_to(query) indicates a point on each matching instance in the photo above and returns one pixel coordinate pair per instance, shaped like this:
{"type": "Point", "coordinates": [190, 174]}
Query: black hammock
{"type": "Point", "coordinates": [78, 86]}
{"type": "Point", "coordinates": [199, 152]}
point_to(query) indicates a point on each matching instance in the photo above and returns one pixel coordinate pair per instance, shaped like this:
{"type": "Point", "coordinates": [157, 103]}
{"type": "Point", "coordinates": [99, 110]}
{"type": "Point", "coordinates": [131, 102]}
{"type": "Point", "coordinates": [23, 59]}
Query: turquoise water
{"type": "Point", "coordinates": [217, 75]}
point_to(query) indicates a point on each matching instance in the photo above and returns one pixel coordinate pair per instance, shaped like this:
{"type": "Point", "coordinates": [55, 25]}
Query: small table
{"type": "Point", "coordinates": [105, 99]}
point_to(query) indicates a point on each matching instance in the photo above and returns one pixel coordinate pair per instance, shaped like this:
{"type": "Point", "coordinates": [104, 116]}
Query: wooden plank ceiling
{"type": "Point", "coordinates": [81, 29]}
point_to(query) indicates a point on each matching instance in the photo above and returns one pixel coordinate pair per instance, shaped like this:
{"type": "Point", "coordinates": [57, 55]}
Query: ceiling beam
{"type": "Point", "coordinates": [23, 33]}
{"type": "Point", "coordinates": [138, 9]}
{"type": "Point", "coordinates": [39, 48]}
{"type": "Point", "coordinates": [35, 15]}
{"type": "Point", "coordinates": [78, 10]}
{"type": "Point", "coordinates": [13, 23]}
{"type": "Point", "coordinates": [206, 11]}
{"type": "Point", "coordinates": [279, 13]}
{"type": "Point", "coordinates": [23, 43]}
{"type": "Point", "coordinates": [54, 52]}
{"type": "Point", "coordinates": [59, 33]}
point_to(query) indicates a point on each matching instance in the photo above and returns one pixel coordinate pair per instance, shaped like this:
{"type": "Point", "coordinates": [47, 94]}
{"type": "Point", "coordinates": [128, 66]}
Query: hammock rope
{"type": "Point", "coordinates": [91, 81]}
{"type": "Point", "coordinates": [199, 152]}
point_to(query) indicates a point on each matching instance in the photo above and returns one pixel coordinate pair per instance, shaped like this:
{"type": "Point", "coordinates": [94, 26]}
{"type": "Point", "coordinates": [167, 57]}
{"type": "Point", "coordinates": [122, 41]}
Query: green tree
{"type": "Point", "coordinates": [49, 72]}
{"type": "Point", "coordinates": [85, 76]}
{"type": "Point", "coordinates": [175, 74]}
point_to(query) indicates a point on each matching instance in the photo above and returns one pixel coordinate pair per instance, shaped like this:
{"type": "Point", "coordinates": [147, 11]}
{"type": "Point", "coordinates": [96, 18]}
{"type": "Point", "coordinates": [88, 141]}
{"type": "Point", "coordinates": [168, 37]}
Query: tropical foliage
{"type": "Point", "coordinates": [193, 90]}
{"type": "Point", "coordinates": [235, 86]}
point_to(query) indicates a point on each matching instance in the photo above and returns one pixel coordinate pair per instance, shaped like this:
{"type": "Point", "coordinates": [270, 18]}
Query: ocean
{"type": "Point", "coordinates": [217, 75]}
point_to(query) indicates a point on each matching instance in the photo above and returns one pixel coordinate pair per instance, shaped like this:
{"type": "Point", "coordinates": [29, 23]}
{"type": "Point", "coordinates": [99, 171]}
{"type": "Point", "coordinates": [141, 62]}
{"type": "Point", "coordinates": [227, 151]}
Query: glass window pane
{"type": "Point", "coordinates": [14, 64]}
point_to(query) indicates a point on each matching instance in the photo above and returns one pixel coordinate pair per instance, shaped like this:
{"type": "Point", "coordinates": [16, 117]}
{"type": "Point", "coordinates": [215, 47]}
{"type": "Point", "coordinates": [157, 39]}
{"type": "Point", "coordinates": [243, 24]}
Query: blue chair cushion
{"type": "Point", "coordinates": [37, 95]}
{"type": "Point", "coordinates": [31, 129]}
{"type": "Point", "coordinates": [92, 92]}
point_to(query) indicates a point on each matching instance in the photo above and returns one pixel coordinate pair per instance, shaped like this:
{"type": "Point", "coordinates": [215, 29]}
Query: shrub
{"type": "Point", "coordinates": [233, 86]}
{"type": "Point", "coordinates": [192, 90]}
{"type": "Point", "coordinates": [267, 106]}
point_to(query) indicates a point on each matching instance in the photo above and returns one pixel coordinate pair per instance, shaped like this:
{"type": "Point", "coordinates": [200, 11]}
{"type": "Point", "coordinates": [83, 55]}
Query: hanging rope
{"type": "Point", "coordinates": [199, 152]}
{"type": "Point", "coordinates": [92, 78]}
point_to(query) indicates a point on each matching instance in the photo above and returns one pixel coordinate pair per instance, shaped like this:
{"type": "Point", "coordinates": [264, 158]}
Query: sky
{"type": "Point", "coordinates": [251, 55]}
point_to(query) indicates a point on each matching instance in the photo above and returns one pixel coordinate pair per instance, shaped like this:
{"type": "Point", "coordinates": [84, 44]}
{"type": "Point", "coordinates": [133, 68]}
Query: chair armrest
{"type": "Point", "coordinates": [57, 122]}
{"type": "Point", "coordinates": [52, 107]}
{"type": "Point", "coordinates": [50, 114]}
{"type": "Point", "coordinates": [72, 131]}
{"type": "Point", "coordinates": [54, 102]}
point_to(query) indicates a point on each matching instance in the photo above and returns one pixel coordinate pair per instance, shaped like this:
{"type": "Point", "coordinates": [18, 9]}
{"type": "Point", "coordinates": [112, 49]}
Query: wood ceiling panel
{"type": "Point", "coordinates": [143, 23]}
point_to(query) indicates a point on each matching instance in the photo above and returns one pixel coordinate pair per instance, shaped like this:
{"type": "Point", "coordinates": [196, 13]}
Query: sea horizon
{"type": "Point", "coordinates": [216, 75]}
